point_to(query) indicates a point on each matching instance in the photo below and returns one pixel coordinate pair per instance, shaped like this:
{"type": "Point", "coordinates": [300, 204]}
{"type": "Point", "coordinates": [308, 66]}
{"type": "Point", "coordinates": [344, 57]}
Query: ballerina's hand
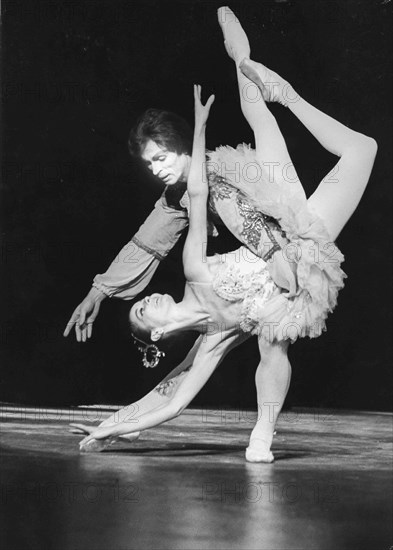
{"type": "Point", "coordinates": [201, 111]}
{"type": "Point", "coordinates": [81, 428]}
{"type": "Point", "coordinates": [104, 432]}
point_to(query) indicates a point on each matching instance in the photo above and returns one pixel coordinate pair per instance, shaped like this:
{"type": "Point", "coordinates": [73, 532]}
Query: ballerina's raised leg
{"type": "Point", "coordinates": [271, 150]}
{"type": "Point", "coordinates": [339, 193]}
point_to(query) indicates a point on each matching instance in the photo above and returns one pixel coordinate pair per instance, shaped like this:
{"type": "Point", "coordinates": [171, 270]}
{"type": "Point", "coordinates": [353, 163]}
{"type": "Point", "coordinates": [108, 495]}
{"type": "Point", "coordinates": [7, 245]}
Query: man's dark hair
{"type": "Point", "coordinates": [164, 128]}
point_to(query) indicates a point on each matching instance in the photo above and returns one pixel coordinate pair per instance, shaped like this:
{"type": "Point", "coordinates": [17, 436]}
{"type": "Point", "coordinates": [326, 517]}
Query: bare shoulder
{"type": "Point", "coordinates": [198, 268]}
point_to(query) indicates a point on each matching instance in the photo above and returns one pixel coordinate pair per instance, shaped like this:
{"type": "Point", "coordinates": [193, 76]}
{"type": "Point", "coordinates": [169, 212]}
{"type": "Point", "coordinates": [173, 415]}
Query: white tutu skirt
{"type": "Point", "coordinates": [304, 265]}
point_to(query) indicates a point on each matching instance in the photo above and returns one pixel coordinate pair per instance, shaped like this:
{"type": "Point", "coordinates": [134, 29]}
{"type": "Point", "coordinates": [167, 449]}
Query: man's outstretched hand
{"type": "Point", "coordinates": [85, 315]}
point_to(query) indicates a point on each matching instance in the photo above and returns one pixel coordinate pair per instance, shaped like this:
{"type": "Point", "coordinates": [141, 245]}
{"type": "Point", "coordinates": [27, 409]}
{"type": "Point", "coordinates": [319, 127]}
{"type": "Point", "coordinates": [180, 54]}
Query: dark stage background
{"type": "Point", "coordinates": [75, 77]}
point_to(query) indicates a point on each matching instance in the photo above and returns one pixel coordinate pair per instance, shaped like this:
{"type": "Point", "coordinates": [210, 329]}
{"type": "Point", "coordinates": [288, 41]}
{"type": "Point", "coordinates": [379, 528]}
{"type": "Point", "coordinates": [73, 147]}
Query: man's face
{"type": "Point", "coordinates": [169, 166]}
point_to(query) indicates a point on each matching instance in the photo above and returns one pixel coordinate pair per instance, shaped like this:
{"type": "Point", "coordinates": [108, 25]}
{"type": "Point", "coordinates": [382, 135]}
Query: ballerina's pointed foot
{"type": "Point", "coordinates": [235, 39]}
{"type": "Point", "coordinates": [259, 451]}
{"type": "Point", "coordinates": [272, 86]}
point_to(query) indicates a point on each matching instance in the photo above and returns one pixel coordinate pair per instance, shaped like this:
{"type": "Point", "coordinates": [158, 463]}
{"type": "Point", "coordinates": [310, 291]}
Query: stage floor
{"type": "Point", "coordinates": [186, 484]}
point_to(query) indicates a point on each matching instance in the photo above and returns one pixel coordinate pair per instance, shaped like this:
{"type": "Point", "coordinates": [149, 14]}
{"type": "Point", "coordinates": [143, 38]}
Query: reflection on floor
{"type": "Point", "coordinates": [186, 484]}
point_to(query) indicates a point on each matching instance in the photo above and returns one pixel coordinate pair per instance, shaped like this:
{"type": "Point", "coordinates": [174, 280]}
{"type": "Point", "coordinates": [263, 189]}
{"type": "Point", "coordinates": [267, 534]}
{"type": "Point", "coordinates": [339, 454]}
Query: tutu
{"type": "Point", "coordinates": [300, 259]}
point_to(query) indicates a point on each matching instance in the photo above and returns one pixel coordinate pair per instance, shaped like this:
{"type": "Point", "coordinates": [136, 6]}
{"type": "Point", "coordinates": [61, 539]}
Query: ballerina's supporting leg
{"type": "Point", "coordinates": [156, 398]}
{"type": "Point", "coordinates": [272, 380]}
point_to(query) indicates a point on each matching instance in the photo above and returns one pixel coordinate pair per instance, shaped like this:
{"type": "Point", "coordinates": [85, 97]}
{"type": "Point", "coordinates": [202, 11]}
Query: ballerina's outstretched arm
{"type": "Point", "coordinates": [159, 395]}
{"type": "Point", "coordinates": [271, 151]}
{"type": "Point", "coordinates": [210, 353]}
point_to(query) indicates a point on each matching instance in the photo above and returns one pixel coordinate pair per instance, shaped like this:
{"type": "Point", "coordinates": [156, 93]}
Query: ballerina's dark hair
{"type": "Point", "coordinates": [165, 128]}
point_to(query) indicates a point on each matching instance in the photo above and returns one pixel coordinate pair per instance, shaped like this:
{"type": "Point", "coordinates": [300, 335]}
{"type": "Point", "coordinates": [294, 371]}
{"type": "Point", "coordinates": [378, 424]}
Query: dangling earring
{"type": "Point", "coordinates": [151, 353]}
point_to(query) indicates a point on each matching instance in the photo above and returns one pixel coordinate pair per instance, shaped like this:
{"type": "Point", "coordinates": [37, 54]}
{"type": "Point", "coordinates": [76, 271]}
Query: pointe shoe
{"type": "Point", "coordinates": [235, 39]}
{"type": "Point", "coordinates": [229, 50]}
{"type": "Point", "coordinates": [273, 88]}
{"type": "Point", "coordinates": [259, 451]}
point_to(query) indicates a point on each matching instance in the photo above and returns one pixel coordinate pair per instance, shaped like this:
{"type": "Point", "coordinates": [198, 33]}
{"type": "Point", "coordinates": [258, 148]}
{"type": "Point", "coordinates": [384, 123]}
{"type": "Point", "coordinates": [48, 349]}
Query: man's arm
{"type": "Point", "coordinates": [133, 268]}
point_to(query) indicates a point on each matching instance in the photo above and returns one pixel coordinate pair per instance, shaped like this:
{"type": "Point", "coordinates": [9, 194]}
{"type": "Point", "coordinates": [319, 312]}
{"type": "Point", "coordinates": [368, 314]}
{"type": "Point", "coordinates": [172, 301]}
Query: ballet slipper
{"type": "Point", "coordinates": [273, 88]}
{"type": "Point", "coordinates": [235, 39]}
{"type": "Point", "coordinates": [259, 451]}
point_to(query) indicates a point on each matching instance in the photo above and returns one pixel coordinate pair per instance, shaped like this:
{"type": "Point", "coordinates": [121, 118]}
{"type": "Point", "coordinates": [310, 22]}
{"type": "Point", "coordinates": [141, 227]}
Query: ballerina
{"type": "Point", "coordinates": [243, 297]}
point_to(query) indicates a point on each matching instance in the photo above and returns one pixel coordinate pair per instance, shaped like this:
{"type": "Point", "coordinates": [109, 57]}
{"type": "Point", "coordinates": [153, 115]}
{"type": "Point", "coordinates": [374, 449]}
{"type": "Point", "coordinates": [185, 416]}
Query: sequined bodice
{"type": "Point", "coordinates": [240, 282]}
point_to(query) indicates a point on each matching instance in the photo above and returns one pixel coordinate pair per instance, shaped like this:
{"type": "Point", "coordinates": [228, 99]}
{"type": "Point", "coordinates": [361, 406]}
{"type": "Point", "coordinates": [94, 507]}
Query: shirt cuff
{"type": "Point", "coordinates": [103, 289]}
